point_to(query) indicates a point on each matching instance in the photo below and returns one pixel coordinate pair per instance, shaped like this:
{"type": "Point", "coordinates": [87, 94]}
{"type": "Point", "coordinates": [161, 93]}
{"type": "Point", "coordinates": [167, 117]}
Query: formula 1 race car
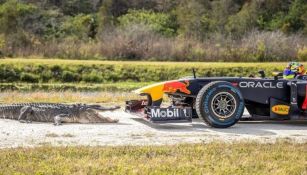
{"type": "Point", "coordinates": [220, 101]}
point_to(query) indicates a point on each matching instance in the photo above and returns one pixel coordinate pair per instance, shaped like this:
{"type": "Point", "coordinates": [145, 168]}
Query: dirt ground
{"type": "Point", "coordinates": [132, 130]}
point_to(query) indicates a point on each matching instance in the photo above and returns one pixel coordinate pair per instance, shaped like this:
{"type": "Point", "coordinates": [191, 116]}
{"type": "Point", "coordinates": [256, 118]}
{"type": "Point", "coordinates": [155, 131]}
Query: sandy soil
{"type": "Point", "coordinates": [132, 130]}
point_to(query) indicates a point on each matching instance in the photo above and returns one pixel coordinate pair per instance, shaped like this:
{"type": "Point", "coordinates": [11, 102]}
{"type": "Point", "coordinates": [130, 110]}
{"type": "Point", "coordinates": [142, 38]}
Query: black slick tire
{"type": "Point", "coordinates": [220, 104]}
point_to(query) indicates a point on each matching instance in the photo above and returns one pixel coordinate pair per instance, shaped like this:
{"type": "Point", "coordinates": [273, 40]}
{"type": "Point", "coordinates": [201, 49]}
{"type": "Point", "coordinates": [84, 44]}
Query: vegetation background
{"type": "Point", "coordinates": [181, 33]}
{"type": "Point", "coordinates": [162, 30]}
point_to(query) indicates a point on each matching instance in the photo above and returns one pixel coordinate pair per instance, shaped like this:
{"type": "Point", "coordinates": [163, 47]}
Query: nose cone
{"type": "Point", "coordinates": [154, 90]}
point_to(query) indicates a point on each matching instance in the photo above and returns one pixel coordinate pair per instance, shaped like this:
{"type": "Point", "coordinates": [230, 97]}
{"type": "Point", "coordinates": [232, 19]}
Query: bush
{"type": "Point", "coordinates": [270, 46]}
{"type": "Point", "coordinates": [302, 54]}
{"type": "Point", "coordinates": [69, 76]}
{"type": "Point", "coordinates": [158, 22]}
{"type": "Point", "coordinates": [9, 73]}
{"type": "Point", "coordinates": [28, 77]}
{"type": "Point", "coordinates": [79, 26]}
{"type": "Point", "coordinates": [130, 43]}
{"type": "Point", "coordinates": [139, 42]}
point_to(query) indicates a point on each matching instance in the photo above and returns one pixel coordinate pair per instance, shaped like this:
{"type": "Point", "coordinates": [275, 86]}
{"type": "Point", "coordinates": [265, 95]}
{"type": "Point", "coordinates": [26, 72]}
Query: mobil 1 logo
{"type": "Point", "coordinates": [170, 113]}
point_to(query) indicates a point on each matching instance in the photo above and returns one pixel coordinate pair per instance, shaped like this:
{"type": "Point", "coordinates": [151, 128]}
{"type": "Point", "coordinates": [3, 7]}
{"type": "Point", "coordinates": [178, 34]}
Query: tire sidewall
{"type": "Point", "coordinates": [207, 99]}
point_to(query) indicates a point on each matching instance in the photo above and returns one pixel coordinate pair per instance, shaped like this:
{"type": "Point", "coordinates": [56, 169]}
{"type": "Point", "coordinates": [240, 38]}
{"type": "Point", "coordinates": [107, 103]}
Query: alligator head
{"type": "Point", "coordinates": [102, 108]}
{"type": "Point", "coordinates": [90, 114]}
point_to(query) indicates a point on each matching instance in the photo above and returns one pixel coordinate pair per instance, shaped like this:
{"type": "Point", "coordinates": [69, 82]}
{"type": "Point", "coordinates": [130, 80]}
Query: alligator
{"type": "Point", "coordinates": [56, 112]}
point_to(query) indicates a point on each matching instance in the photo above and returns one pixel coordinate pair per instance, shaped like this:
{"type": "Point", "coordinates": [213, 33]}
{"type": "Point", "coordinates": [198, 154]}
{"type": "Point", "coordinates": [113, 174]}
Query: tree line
{"type": "Point", "coordinates": [176, 30]}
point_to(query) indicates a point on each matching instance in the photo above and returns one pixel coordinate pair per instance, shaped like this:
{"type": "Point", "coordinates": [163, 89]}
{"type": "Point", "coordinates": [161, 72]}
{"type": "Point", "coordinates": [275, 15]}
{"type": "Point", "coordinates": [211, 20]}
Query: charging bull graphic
{"type": "Point", "coordinates": [156, 91]}
{"type": "Point", "coordinates": [172, 87]}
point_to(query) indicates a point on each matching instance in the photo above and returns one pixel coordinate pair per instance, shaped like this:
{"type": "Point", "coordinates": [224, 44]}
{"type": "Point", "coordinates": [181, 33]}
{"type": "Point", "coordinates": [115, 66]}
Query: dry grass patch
{"type": "Point", "coordinates": [66, 97]}
{"type": "Point", "coordinates": [214, 158]}
{"type": "Point", "coordinates": [111, 87]}
{"type": "Point", "coordinates": [52, 135]}
{"type": "Point", "coordinates": [68, 135]}
{"type": "Point", "coordinates": [57, 135]}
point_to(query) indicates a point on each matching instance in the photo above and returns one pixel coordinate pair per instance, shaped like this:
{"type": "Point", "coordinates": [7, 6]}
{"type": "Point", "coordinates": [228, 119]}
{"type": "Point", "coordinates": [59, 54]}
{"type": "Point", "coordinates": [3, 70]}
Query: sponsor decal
{"type": "Point", "coordinates": [281, 109]}
{"type": "Point", "coordinates": [175, 86]}
{"type": "Point", "coordinates": [170, 113]}
{"type": "Point", "coordinates": [259, 84]}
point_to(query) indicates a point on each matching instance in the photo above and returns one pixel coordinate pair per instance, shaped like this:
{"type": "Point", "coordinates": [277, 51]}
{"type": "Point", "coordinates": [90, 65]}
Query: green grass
{"type": "Point", "coordinates": [214, 158]}
{"type": "Point", "coordinates": [88, 71]}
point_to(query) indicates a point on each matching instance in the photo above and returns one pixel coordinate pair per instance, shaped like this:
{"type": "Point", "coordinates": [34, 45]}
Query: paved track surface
{"type": "Point", "coordinates": [132, 130]}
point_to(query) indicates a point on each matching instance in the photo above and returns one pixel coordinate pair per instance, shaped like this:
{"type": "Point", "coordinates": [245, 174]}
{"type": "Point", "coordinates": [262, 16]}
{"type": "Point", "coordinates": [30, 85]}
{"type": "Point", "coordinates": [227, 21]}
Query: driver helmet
{"type": "Point", "coordinates": [293, 69]}
{"type": "Point", "coordinates": [296, 67]}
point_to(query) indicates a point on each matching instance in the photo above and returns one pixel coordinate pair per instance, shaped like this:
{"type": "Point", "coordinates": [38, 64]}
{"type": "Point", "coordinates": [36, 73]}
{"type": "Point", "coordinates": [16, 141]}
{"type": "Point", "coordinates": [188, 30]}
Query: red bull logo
{"type": "Point", "coordinates": [175, 86]}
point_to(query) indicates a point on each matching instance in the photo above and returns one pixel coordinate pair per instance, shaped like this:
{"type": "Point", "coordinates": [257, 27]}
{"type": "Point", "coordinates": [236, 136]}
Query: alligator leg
{"type": "Point", "coordinates": [58, 119]}
{"type": "Point", "coordinates": [106, 119]}
{"type": "Point", "coordinates": [25, 114]}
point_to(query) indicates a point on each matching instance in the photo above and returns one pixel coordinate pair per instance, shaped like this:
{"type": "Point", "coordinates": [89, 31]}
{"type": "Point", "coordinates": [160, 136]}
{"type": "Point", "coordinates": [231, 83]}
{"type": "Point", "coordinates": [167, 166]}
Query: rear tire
{"type": "Point", "coordinates": [219, 104]}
